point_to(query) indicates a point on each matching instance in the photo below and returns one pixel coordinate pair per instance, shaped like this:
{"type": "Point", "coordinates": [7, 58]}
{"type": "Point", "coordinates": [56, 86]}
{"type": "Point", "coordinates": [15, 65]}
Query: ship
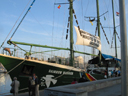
{"type": "Point", "coordinates": [50, 72]}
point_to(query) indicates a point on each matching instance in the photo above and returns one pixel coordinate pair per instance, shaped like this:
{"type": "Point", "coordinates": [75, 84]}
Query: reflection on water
{"type": "Point", "coordinates": [5, 82]}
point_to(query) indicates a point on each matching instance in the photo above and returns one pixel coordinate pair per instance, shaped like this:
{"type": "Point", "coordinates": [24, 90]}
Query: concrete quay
{"type": "Point", "coordinates": [114, 90]}
{"type": "Point", "coordinates": [105, 87]}
{"type": "Point", "coordinates": [86, 88]}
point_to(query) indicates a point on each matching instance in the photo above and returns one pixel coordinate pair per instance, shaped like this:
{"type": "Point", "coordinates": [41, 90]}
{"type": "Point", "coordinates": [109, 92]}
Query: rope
{"type": "Point", "coordinates": [104, 33]}
{"type": "Point", "coordinates": [118, 37]}
{"type": "Point", "coordinates": [112, 39]}
{"type": "Point", "coordinates": [93, 49]}
{"type": "Point", "coordinates": [83, 28]}
{"type": "Point", "coordinates": [76, 21]}
{"type": "Point", "coordinates": [107, 15]}
{"type": "Point", "coordinates": [96, 30]}
{"type": "Point", "coordinates": [53, 25]}
{"type": "Point", "coordinates": [14, 68]}
{"type": "Point", "coordinates": [10, 71]}
{"type": "Point", "coordinates": [14, 25]}
{"type": "Point", "coordinates": [64, 22]}
{"type": "Point", "coordinates": [22, 19]}
{"type": "Point", "coordinates": [68, 27]}
{"type": "Point", "coordinates": [38, 22]}
{"type": "Point", "coordinates": [44, 82]}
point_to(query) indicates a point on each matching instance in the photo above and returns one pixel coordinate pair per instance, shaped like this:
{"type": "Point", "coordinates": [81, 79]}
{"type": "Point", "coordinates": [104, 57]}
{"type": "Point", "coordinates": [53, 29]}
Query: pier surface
{"type": "Point", "coordinates": [108, 91]}
{"type": "Point", "coordinates": [105, 87]}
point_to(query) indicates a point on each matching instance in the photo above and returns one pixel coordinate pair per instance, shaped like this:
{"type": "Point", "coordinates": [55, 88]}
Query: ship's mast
{"type": "Point", "coordinates": [98, 25]}
{"type": "Point", "coordinates": [114, 29]}
{"type": "Point", "coordinates": [71, 33]}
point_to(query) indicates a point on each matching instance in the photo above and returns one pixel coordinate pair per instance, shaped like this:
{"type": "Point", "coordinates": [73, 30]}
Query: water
{"type": "Point", "coordinates": [5, 82]}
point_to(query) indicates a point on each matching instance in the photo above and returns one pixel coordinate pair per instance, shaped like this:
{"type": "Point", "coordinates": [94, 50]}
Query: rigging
{"type": "Point", "coordinates": [14, 24]}
{"type": "Point", "coordinates": [22, 19]}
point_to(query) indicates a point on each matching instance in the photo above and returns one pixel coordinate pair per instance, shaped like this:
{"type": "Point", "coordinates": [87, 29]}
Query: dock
{"type": "Point", "coordinates": [106, 87]}
{"type": "Point", "coordinates": [108, 91]}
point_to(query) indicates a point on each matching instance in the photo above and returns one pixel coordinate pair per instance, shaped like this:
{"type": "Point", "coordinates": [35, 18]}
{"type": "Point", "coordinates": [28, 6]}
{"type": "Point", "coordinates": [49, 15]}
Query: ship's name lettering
{"type": "Point", "coordinates": [68, 73]}
{"type": "Point", "coordinates": [60, 72]}
{"type": "Point", "coordinates": [55, 71]}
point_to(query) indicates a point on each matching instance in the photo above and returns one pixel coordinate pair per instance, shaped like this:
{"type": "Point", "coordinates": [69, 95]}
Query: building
{"type": "Point", "coordinates": [78, 61]}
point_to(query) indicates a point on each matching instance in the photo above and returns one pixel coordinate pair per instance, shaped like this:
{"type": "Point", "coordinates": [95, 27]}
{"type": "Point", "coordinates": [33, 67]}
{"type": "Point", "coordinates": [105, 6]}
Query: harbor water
{"type": "Point", "coordinates": [5, 82]}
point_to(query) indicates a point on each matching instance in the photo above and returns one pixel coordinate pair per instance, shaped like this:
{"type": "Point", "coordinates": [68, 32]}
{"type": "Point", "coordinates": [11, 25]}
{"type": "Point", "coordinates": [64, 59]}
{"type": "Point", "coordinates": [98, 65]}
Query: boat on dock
{"type": "Point", "coordinates": [53, 70]}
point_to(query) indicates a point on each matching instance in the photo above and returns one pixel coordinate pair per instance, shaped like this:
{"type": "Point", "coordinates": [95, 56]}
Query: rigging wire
{"type": "Point", "coordinates": [74, 36]}
{"type": "Point", "coordinates": [22, 19]}
{"type": "Point", "coordinates": [58, 18]}
{"type": "Point", "coordinates": [116, 5]}
{"type": "Point", "coordinates": [108, 16]}
{"type": "Point", "coordinates": [82, 14]}
{"type": "Point", "coordinates": [62, 36]}
{"type": "Point", "coordinates": [72, 68]}
{"type": "Point", "coordinates": [109, 22]}
{"type": "Point", "coordinates": [77, 25]}
{"type": "Point", "coordinates": [56, 36]}
{"type": "Point", "coordinates": [64, 22]}
{"type": "Point", "coordinates": [107, 10]}
{"type": "Point", "coordinates": [38, 22]}
{"type": "Point", "coordinates": [14, 67]}
{"type": "Point", "coordinates": [88, 21]}
{"type": "Point", "coordinates": [87, 6]}
{"type": "Point", "coordinates": [117, 8]}
{"type": "Point", "coordinates": [53, 25]}
{"type": "Point", "coordinates": [14, 24]}
{"type": "Point", "coordinates": [84, 48]}
{"type": "Point", "coordinates": [115, 30]}
{"type": "Point", "coordinates": [88, 2]}
{"type": "Point", "coordinates": [112, 39]}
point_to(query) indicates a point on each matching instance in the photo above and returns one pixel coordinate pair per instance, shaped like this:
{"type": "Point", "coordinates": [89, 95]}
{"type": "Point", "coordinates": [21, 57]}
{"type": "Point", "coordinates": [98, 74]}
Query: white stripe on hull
{"type": "Point", "coordinates": [45, 63]}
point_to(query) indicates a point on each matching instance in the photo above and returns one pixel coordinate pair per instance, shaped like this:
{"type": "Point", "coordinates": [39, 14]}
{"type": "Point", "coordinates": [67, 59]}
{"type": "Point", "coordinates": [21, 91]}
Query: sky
{"type": "Point", "coordinates": [45, 24]}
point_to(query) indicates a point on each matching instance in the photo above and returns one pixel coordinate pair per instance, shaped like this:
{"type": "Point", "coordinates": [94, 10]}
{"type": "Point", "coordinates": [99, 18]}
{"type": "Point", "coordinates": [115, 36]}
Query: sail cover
{"type": "Point", "coordinates": [85, 38]}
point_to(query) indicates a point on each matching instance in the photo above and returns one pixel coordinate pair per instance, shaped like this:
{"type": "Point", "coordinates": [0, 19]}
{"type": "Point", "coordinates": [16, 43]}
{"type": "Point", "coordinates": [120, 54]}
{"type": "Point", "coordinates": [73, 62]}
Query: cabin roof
{"type": "Point", "coordinates": [103, 58]}
{"type": "Point", "coordinates": [110, 57]}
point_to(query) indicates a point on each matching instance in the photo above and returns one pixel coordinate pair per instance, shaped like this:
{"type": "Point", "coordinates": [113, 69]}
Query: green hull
{"type": "Point", "coordinates": [50, 74]}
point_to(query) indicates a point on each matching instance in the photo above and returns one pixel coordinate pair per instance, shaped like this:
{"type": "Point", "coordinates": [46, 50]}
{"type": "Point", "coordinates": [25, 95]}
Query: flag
{"type": "Point", "coordinates": [117, 13]}
{"type": "Point", "coordinates": [91, 22]}
{"type": "Point", "coordinates": [59, 6]}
